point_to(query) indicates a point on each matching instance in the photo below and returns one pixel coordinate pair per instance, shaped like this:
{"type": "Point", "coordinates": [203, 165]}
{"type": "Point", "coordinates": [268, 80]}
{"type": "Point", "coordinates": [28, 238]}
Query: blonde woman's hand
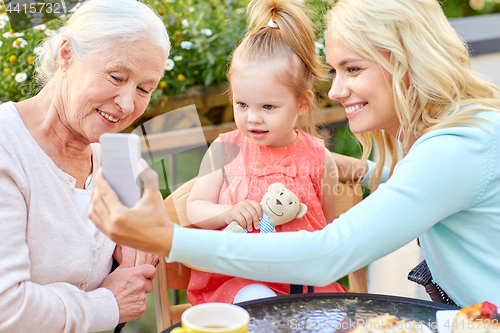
{"type": "Point", "coordinates": [145, 226]}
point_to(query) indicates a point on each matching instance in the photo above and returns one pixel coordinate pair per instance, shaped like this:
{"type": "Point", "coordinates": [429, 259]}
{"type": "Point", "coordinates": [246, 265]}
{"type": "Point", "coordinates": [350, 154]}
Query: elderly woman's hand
{"type": "Point", "coordinates": [145, 226]}
{"type": "Point", "coordinates": [130, 285]}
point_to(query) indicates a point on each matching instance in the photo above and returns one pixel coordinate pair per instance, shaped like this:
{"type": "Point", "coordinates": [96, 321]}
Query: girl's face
{"type": "Point", "coordinates": [106, 92]}
{"type": "Point", "coordinates": [264, 110]}
{"type": "Point", "coordinates": [363, 87]}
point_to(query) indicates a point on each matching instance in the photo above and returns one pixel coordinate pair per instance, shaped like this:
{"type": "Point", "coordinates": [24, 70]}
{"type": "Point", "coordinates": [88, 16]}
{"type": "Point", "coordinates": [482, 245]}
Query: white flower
{"type": "Point", "coordinates": [21, 77]}
{"type": "Point", "coordinates": [37, 69]}
{"type": "Point", "coordinates": [177, 58]}
{"type": "Point", "coordinates": [206, 32]}
{"type": "Point", "coordinates": [1, 43]}
{"type": "Point", "coordinates": [186, 45]}
{"type": "Point", "coordinates": [4, 17]}
{"type": "Point", "coordinates": [36, 20]}
{"type": "Point", "coordinates": [39, 50]}
{"type": "Point", "coordinates": [49, 32]}
{"type": "Point", "coordinates": [191, 9]}
{"type": "Point", "coordinates": [185, 23]}
{"type": "Point", "coordinates": [8, 34]}
{"type": "Point", "coordinates": [169, 64]}
{"type": "Point", "coordinates": [19, 43]}
{"type": "Point", "coordinates": [2, 24]}
{"type": "Point", "coordinates": [40, 27]}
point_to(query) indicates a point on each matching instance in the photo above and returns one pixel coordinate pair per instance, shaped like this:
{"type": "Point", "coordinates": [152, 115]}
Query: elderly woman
{"type": "Point", "coordinates": [99, 73]}
{"type": "Point", "coordinates": [404, 78]}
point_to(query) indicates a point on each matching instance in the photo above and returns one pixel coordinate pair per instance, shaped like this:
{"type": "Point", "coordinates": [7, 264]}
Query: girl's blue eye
{"type": "Point", "coordinates": [269, 107]}
{"type": "Point", "coordinates": [242, 105]}
{"type": "Point", "coordinates": [332, 72]}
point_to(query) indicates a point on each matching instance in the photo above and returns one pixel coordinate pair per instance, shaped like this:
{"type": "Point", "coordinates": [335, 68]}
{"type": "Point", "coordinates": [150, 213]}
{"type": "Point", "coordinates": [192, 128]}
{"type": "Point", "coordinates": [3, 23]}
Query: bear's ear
{"type": "Point", "coordinates": [302, 211]}
{"type": "Point", "coordinates": [275, 186]}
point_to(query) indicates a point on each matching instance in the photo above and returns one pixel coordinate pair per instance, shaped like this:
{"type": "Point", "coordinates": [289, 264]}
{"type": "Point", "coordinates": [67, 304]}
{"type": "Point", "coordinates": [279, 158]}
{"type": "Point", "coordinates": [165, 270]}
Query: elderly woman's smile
{"type": "Point", "coordinates": [108, 116]}
{"type": "Point", "coordinates": [106, 91]}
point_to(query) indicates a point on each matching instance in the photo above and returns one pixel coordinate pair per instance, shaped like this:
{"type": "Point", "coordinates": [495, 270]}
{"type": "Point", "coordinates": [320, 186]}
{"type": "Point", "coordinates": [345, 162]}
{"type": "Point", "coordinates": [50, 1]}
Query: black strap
{"type": "Point", "coordinates": [296, 289]}
{"type": "Point", "coordinates": [421, 274]}
{"type": "Point", "coordinates": [299, 289]}
{"type": "Point", "coordinates": [118, 328]}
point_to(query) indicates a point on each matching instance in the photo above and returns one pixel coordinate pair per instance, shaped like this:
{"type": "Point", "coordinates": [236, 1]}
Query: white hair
{"type": "Point", "coordinates": [101, 24]}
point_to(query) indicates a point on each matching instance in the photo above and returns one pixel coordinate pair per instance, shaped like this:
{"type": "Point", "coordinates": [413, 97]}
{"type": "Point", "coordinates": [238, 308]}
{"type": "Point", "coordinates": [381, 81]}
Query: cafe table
{"type": "Point", "coordinates": [333, 312]}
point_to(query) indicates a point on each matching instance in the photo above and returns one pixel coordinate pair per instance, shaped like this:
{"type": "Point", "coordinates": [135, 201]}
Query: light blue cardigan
{"type": "Point", "coordinates": [445, 190]}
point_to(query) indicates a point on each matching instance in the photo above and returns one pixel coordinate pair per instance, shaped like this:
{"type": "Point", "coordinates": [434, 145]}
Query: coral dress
{"type": "Point", "coordinates": [299, 166]}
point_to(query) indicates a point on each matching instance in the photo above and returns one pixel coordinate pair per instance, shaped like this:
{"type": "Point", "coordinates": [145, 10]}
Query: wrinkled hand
{"type": "Point", "coordinates": [130, 286]}
{"type": "Point", "coordinates": [129, 257]}
{"type": "Point", "coordinates": [247, 213]}
{"type": "Point", "coordinates": [145, 227]}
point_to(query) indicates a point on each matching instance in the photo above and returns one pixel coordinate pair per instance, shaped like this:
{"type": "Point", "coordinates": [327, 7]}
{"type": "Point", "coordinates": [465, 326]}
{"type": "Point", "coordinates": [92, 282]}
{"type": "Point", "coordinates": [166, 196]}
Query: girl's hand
{"type": "Point", "coordinates": [247, 213]}
{"type": "Point", "coordinates": [145, 227]}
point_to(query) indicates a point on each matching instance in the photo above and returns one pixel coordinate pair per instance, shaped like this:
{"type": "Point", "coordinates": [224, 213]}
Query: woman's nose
{"type": "Point", "coordinates": [125, 100]}
{"type": "Point", "coordinates": [338, 90]}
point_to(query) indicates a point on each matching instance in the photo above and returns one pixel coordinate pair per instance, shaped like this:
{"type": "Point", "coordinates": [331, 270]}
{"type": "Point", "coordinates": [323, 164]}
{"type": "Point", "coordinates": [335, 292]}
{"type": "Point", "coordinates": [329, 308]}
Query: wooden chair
{"type": "Point", "coordinates": [176, 275]}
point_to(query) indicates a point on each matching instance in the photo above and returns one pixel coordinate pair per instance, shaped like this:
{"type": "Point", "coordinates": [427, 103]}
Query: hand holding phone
{"type": "Point", "coordinates": [120, 155]}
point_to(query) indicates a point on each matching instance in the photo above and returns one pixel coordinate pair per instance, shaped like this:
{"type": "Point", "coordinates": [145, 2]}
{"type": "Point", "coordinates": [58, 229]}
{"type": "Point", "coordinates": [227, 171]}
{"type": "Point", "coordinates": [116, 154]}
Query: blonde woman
{"type": "Point", "coordinates": [404, 78]}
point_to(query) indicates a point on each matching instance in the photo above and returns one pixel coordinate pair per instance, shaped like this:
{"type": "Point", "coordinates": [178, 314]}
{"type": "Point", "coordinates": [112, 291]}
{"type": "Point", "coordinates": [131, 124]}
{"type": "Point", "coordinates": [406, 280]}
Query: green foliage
{"type": "Point", "coordinates": [346, 143]}
{"type": "Point", "coordinates": [461, 8]}
{"type": "Point", "coordinates": [203, 35]}
{"type": "Point", "coordinates": [18, 51]}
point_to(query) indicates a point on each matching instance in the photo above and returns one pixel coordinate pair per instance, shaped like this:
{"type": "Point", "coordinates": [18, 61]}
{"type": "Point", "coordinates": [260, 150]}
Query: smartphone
{"type": "Point", "coordinates": [120, 153]}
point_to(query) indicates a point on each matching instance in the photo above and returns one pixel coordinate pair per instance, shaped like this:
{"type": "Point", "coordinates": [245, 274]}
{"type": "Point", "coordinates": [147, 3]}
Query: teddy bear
{"type": "Point", "coordinates": [279, 206]}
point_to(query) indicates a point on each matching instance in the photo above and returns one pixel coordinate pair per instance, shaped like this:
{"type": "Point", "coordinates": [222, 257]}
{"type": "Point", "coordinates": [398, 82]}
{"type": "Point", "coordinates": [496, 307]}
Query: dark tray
{"type": "Point", "coordinates": [324, 312]}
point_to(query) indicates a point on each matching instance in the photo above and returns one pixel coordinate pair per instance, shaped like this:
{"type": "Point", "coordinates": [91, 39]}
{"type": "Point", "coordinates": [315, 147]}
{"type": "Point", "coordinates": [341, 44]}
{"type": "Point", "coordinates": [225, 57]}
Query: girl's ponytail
{"type": "Point", "coordinates": [294, 26]}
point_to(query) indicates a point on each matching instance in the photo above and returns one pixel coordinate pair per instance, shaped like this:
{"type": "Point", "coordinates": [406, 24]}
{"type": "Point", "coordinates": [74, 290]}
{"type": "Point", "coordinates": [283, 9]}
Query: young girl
{"type": "Point", "coordinates": [271, 78]}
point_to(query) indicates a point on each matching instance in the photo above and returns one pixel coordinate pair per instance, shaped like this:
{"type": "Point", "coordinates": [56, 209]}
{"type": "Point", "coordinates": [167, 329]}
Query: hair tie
{"type": "Point", "coordinates": [272, 24]}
